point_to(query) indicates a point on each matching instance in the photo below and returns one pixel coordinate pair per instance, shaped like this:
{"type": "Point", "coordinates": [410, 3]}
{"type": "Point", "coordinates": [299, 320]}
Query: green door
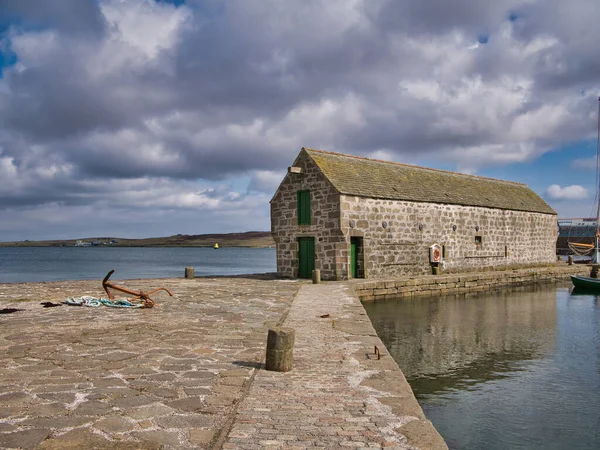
{"type": "Point", "coordinates": [353, 260]}
{"type": "Point", "coordinates": [306, 256]}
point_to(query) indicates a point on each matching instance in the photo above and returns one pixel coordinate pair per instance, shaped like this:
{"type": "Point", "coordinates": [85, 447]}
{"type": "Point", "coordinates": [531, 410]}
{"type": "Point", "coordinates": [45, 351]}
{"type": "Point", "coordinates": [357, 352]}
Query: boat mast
{"type": "Point", "coordinates": [596, 259]}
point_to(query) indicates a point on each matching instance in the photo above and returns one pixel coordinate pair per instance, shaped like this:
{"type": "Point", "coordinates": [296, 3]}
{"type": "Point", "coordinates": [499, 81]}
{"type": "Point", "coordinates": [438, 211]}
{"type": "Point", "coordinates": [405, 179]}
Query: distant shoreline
{"type": "Point", "coordinates": [252, 239]}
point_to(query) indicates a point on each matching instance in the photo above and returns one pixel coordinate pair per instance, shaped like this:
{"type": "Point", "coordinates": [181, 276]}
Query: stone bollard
{"type": "Point", "coordinates": [189, 272]}
{"type": "Point", "coordinates": [316, 276]}
{"type": "Point", "coordinates": [280, 349]}
{"type": "Point", "coordinates": [570, 260]}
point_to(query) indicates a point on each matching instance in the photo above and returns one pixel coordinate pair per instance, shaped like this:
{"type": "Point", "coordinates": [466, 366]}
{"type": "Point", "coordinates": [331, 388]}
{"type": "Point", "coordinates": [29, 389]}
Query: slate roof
{"type": "Point", "coordinates": [364, 177]}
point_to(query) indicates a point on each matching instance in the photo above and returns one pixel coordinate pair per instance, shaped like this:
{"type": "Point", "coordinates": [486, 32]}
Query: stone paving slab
{"type": "Point", "coordinates": [166, 377]}
{"type": "Point", "coordinates": [338, 395]}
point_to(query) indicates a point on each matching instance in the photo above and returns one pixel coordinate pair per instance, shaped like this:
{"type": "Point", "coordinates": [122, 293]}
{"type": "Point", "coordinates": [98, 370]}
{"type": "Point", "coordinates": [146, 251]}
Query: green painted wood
{"type": "Point", "coordinates": [587, 283]}
{"type": "Point", "coordinates": [353, 261]}
{"type": "Point", "coordinates": [303, 207]}
{"type": "Point", "coordinates": [306, 256]}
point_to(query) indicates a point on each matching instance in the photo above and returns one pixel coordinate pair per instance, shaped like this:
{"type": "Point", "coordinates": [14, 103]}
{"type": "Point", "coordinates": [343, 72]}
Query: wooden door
{"type": "Point", "coordinates": [306, 256]}
{"type": "Point", "coordinates": [353, 258]}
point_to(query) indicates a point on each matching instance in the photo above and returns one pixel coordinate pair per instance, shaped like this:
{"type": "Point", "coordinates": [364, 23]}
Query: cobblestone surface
{"type": "Point", "coordinates": [167, 377]}
{"type": "Point", "coordinates": [338, 395]}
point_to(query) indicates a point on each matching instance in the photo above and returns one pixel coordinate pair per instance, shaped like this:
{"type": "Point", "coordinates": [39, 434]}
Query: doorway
{"type": "Point", "coordinates": [356, 257]}
{"type": "Point", "coordinates": [306, 257]}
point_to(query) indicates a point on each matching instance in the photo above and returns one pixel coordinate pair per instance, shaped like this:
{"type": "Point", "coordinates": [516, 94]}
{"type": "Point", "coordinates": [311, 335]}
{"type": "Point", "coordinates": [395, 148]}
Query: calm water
{"type": "Point", "coordinates": [85, 263]}
{"type": "Point", "coordinates": [516, 370]}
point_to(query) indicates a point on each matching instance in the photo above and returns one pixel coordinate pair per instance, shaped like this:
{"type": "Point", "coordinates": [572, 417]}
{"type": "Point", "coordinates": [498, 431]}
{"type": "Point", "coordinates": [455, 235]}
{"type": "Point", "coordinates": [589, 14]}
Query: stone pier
{"type": "Point", "coordinates": [339, 395]}
{"type": "Point", "coordinates": [188, 373]}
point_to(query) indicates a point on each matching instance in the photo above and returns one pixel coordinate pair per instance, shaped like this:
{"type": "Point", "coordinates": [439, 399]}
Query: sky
{"type": "Point", "coordinates": [140, 118]}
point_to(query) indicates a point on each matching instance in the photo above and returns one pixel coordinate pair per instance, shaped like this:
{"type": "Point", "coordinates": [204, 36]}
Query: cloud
{"type": "Point", "coordinates": [183, 97]}
{"type": "Point", "coordinates": [266, 181]}
{"type": "Point", "coordinates": [585, 163]}
{"type": "Point", "coordinates": [574, 192]}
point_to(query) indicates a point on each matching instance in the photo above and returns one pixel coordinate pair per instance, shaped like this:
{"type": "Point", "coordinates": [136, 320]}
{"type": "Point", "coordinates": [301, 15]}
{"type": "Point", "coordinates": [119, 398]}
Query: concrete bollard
{"type": "Point", "coordinates": [189, 272]}
{"type": "Point", "coordinates": [316, 276]}
{"type": "Point", "coordinates": [570, 260]}
{"type": "Point", "coordinates": [280, 349]}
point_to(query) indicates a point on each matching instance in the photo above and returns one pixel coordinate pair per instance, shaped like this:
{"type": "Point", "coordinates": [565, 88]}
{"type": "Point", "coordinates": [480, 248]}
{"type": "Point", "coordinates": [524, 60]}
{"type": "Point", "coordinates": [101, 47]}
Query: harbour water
{"type": "Point", "coordinates": [28, 264]}
{"type": "Point", "coordinates": [512, 370]}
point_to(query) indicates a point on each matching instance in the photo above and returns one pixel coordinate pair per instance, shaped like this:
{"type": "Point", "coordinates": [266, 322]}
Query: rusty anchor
{"type": "Point", "coordinates": [138, 295]}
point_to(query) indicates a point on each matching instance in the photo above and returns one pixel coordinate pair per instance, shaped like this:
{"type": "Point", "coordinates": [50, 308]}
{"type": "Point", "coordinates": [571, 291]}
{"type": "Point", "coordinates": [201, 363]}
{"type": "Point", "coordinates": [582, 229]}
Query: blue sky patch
{"type": "Point", "coordinates": [7, 59]}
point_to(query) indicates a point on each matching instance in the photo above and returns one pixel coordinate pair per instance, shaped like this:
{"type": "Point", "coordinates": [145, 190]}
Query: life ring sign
{"type": "Point", "coordinates": [435, 253]}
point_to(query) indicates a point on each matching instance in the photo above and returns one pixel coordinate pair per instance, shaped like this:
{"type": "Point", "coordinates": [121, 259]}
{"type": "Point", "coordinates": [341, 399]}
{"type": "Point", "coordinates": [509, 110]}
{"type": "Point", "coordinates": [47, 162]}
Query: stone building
{"type": "Point", "coordinates": [354, 217]}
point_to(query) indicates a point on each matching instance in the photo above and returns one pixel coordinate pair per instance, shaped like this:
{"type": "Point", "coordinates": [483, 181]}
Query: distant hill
{"type": "Point", "coordinates": [247, 239]}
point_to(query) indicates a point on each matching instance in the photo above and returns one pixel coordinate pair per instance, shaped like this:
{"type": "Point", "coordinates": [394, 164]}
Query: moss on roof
{"type": "Point", "coordinates": [364, 177]}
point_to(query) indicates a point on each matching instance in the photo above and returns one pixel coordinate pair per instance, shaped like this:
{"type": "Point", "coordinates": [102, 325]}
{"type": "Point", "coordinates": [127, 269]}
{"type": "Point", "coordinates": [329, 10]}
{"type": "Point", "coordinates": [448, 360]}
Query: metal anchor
{"type": "Point", "coordinates": [138, 295]}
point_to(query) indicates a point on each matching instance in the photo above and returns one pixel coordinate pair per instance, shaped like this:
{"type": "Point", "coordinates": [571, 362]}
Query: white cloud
{"type": "Point", "coordinates": [574, 192]}
{"type": "Point", "coordinates": [585, 163]}
{"type": "Point", "coordinates": [266, 181]}
{"type": "Point", "coordinates": [141, 103]}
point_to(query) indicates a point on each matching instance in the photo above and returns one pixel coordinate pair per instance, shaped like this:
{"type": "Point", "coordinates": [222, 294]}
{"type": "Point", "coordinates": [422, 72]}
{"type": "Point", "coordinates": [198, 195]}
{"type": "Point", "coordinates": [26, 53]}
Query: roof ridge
{"type": "Point", "coordinates": [411, 166]}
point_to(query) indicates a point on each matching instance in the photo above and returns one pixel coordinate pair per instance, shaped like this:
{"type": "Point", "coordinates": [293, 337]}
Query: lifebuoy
{"type": "Point", "coordinates": [436, 254]}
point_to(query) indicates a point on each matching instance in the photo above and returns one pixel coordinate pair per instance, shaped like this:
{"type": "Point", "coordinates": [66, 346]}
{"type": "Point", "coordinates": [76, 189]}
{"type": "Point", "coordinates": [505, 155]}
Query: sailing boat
{"type": "Point", "coordinates": [592, 282]}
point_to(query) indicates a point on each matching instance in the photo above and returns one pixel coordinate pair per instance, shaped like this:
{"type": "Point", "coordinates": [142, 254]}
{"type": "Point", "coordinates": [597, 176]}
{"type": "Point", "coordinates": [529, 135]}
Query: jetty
{"type": "Point", "coordinates": [189, 372]}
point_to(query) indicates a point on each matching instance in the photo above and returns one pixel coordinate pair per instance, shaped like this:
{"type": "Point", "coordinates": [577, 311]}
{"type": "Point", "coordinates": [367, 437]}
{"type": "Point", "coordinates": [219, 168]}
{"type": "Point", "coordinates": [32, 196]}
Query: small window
{"type": "Point", "coordinates": [303, 207]}
{"type": "Point", "coordinates": [478, 239]}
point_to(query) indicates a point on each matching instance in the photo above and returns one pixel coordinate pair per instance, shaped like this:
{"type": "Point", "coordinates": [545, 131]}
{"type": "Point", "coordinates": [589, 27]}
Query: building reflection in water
{"type": "Point", "coordinates": [456, 342]}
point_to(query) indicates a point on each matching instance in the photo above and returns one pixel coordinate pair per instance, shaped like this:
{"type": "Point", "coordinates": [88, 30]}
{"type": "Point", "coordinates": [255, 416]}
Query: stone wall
{"type": "Point", "coordinates": [397, 236]}
{"type": "Point", "coordinates": [464, 283]}
{"type": "Point", "coordinates": [325, 221]}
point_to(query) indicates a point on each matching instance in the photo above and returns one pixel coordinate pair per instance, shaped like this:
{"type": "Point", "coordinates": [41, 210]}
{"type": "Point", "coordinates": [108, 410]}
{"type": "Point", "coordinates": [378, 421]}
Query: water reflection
{"type": "Point", "coordinates": [463, 340]}
{"type": "Point", "coordinates": [516, 369]}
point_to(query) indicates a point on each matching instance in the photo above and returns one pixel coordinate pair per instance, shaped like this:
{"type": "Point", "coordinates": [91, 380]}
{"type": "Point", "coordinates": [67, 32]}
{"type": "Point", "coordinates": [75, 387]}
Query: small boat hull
{"type": "Point", "coordinates": [587, 283]}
